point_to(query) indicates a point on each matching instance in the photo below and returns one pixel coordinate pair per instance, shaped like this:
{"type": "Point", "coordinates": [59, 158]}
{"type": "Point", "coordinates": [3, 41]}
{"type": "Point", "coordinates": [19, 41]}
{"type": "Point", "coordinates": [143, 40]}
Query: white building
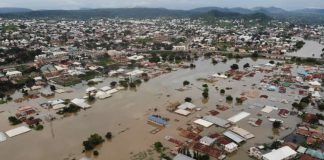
{"type": "Point", "coordinates": [13, 74]}
{"type": "Point", "coordinates": [179, 48]}
{"type": "Point", "coordinates": [207, 141]}
{"type": "Point", "coordinates": [283, 153]}
{"type": "Point", "coordinates": [231, 147]}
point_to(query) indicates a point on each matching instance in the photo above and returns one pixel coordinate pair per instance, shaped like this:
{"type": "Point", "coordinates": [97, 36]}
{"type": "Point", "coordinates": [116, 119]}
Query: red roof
{"type": "Point", "coordinates": [258, 122]}
{"type": "Point", "coordinates": [223, 141]}
{"type": "Point", "coordinates": [311, 140]}
{"type": "Point", "coordinates": [213, 112]}
{"type": "Point", "coordinates": [214, 152]}
{"type": "Point", "coordinates": [307, 157]}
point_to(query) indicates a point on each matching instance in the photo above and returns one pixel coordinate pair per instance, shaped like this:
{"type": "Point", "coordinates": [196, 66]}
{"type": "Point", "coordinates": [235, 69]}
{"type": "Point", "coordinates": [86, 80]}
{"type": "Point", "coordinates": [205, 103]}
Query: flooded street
{"type": "Point", "coordinates": [125, 115]}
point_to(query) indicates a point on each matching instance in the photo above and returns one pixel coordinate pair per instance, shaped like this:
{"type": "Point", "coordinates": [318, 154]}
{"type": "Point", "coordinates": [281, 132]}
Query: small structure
{"type": "Point", "coordinates": [102, 95]}
{"type": "Point", "coordinates": [135, 73]}
{"type": "Point", "coordinates": [219, 76]}
{"type": "Point", "coordinates": [268, 109]}
{"type": "Point", "coordinates": [218, 121]}
{"type": "Point", "coordinates": [2, 137]}
{"type": "Point", "coordinates": [112, 91]}
{"type": "Point", "coordinates": [207, 140]}
{"type": "Point", "coordinates": [238, 117]}
{"type": "Point", "coordinates": [233, 136]}
{"type": "Point", "coordinates": [187, 105]}
{"type": "Point", "coordinates": [315, 153]}
{"type": "Point", "coordinates": [203, 123]}
{"type": "Point", "coordinates": [282, 153]}
{"type": "Point", "coordinates": [182, 112]}
{"type": "Point", "coordinates": [17, 131]}
{"type": "Point", "coordinates": [231, 147]}
{"type": "Point", "coordinates": [91, 89]}
{"type": "Point", "coordinates": [56, 102]}
{"type": "Point", "coordinates": [180, 156]}
{"type": "Point", "coordinates": [242, 132]}
{"type": "Point", "coordinates": [58, 106]}
{"type": "Point", "coordinates": [272, 88]}
{"type": "Point", "coordinates": [105, 88]}
{"type": "Point", "coordinates": [157, 120]}
{"type": "Point", "coordinates": [255, 152]}
{"type": "Point", "coordinates": [80, 103]}
{"type": "Point", "coordinates": [13, 74]}
{"type": "Point", "coordinates": [47, 93]}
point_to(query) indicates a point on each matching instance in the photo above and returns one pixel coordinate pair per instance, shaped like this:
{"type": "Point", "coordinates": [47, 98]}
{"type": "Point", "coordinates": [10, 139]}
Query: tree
{"type": "Point", "coordinates": [113, 84]}
{"type": "Point", "coordinates": [205, 85]}
{"type": "Point", "coordinates": [53, 88]}
{"type": "Point", "coordinates": [108, 135]}
{"type": "Point", "coordinates": [276, 124]}
{"type": "Point", "coordinates": [321, 106]}
{"type": "Point", "coordinates": [205, 94]}
{"type": "Point", "coordinates": [95, 153]}
{"type": "Point", "coordinates": [2, 95]}
{"type": "Point", "coordinates": [91, 98]}
{"type": "Point", "coordinates": [185, 83]}
{"type": "Point", "coordinates": [158, 146]}
{"type": "Point", "coordinates": [13, 120]}
{"type": "Point", "coordinates": [275, 145]}
{"type": "Point", "coordinates": [234, 66]}
{"type": "Point", "coordinates": [246, 65]}
{"type": "Point", "coordinates": [229, 98]}
{"type": "Point", "coordinates": [222, 91]}
{"type": "Point", "coordinates": [214, 61]}
{"type": "Point", "coordinates": [188, 99]}
{"type": "Point", "coordinates": [255, 55]}
{"type": "Point", "coordinates": [9, 98]}
{"type": "Point", "coordinates": [92, 141]}
{"type": "Point", "coordinates": [271, 62]}
{"type": "Point", "coordinates": [239, 100]}
{"type": "Point", "coordinates": [39, 127]}
{"type": "Point", "coordinates": [306, 99]}
{"type": "Point", "coordinates": [132, 85]}
{"type": "Point", "coordinates": [123, 83]}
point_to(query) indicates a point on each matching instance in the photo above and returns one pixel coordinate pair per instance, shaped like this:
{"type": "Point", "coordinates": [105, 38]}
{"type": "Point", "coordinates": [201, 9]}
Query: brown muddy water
{"type": "Point", "coordinates": [311, 49]}
{"type": "Point", "coordinates": [125, 115]}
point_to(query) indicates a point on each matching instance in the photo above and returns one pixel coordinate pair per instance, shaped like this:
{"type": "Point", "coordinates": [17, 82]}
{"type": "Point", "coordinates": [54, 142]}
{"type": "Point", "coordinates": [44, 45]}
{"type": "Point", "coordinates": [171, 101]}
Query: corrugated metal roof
{"type": "Point", "coordinates": [216, 120]}
{"type": "Point", "coordinates": [233, 136]}
{"type": "Point", "coordinates": [182, 157]}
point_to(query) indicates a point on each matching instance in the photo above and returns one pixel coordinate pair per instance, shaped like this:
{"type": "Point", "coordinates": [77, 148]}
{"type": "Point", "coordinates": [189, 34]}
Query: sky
{"type": "Point", "coordinates": [171, 4]}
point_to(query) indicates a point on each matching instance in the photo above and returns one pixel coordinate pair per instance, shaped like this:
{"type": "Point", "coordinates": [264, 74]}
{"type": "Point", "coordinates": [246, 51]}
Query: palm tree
{"type": "Point", "coordinates": [2, 95]}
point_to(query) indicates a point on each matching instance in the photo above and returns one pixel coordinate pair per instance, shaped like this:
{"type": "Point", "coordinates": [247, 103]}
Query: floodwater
{"type": "Point", "coordinates": [311, 49]}
{"type": "Point", "coordinates": [125, 115]}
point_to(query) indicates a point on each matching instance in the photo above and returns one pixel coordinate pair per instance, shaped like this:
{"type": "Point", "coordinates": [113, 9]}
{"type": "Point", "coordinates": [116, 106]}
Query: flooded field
{"type": "Point", "coordinates": [125, 115]}
{"type": "Point", "coordinates": [310, 49]}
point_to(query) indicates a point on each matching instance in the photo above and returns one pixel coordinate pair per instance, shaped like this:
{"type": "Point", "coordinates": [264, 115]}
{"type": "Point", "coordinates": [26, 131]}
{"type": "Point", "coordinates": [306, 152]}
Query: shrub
{"type": "Point", "coordinates": [13, 120]}
{"type": "Point", "coordinates": [205, 94]}
{"type": "Point", "coordinates": [113, 84]}
{"type": "Point", "coordinates": [158, 146]}
{"type": "Point", "coordinates": [188, 99]}
{"type": "Point", "coordinates": [92, 142]}
{"type": "Point", "coordinates": [185, 83]}
{"type": "Point", "coordinates": [276, 124]}
{"type": "Point", "coordinates": [132, 85]}
{"type": "Point", "coordinates": [39, 127]}
{"type": "Point", "coordinates": [229, 98]}
{"type": "Point", "coordinates": [234, 67]}
{"type": "Point", "coordinates": [108, 135]}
